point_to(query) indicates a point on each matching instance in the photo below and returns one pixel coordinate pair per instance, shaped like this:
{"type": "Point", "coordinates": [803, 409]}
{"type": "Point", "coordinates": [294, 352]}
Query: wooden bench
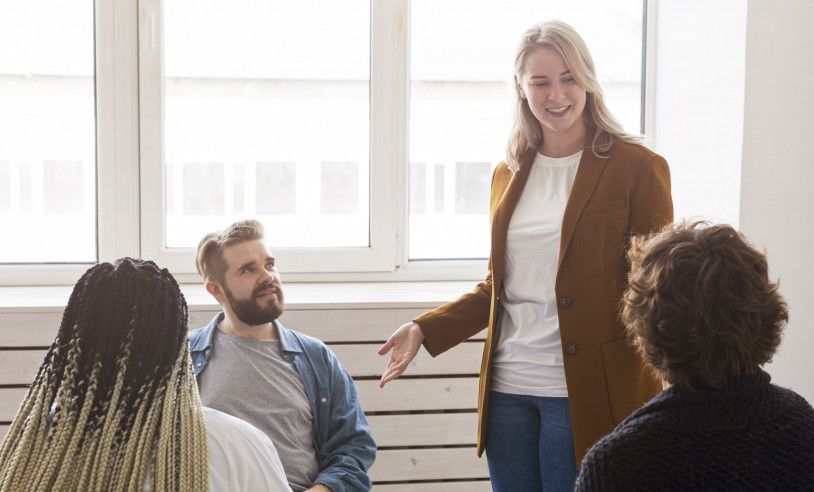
{"type": "Point", "coordinates": [424, 423]}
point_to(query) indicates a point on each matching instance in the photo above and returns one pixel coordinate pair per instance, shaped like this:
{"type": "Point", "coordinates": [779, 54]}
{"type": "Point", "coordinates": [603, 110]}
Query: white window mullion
{"type": "Point", "coordinates": [650, 50]}
{"type": "Point", "coordinates": [389, 89]}
{"type": "Point", "coordinates": [388, 107]}
{"type": "Point", "coordinates": [117, 132]}
{"type": "Point", "coordinates": [151, 134]}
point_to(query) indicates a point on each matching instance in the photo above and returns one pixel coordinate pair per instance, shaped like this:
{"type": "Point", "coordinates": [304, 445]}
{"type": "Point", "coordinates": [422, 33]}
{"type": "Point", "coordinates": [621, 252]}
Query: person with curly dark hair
{"type": "Point", "coordinates": [703, 314]}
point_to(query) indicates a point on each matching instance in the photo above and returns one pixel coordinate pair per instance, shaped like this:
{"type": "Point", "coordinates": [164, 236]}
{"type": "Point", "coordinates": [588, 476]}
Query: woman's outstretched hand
{"type": "Point", "coordinates": [405, 343]}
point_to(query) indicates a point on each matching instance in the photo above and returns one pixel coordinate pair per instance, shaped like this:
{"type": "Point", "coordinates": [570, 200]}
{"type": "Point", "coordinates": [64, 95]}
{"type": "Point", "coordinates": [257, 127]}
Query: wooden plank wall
{"type": "Point", "coordinates": [424, 423]}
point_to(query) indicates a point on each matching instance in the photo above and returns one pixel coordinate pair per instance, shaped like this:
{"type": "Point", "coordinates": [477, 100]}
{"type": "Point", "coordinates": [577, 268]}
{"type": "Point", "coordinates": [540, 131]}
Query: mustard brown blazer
{"type": "Point", "coordinates": [612, 198]}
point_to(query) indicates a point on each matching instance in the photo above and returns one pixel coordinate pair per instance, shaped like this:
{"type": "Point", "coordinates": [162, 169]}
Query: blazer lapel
{"type": "Point", "coordinates": [590, 168]}
{"type": "Point", "coordinates": [503, 215]}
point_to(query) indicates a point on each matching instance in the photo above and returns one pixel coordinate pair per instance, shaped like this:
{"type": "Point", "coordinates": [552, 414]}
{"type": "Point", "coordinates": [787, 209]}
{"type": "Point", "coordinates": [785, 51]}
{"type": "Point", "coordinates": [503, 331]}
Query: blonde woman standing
{"type": "Point", "coordinates": [557, 371]}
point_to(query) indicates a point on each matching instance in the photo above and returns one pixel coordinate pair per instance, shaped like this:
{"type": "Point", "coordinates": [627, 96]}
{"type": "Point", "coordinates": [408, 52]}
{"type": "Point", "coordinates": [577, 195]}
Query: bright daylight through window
{"type": "Point", "coordinates": [267, 116]}
{"type": "Point", "coordinates": [362, 133]}
{"type": "Point", "coordinates": [47, 132]}
{"type": "Point", "coordinates": [461, 66]}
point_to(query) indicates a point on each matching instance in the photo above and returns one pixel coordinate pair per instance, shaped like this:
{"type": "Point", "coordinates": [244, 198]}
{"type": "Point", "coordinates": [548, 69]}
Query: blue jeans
{"type": "Point", "coordinates": [529, 444]}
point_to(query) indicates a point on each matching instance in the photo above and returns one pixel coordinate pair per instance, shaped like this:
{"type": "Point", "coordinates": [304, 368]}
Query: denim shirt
{"type": "Point", "coordinates": [341, 434]}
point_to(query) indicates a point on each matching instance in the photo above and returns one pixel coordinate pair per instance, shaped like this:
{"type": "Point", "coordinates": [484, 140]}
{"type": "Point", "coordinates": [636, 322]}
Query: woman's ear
{"type": "Point", "coordinates": [519, 87]}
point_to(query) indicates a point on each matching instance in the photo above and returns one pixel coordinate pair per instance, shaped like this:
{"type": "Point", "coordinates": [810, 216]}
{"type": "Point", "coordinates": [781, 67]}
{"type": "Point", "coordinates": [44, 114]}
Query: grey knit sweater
{"type": "Point", "coordinates": [748, 435]}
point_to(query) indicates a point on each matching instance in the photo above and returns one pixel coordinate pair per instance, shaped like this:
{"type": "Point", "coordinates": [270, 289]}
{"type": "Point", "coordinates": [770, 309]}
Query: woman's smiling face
{"type": "Point", "coordinates": [553, 95]}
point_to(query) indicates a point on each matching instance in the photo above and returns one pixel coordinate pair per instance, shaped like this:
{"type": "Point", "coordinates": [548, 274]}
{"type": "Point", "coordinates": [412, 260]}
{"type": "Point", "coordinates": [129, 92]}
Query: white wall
{"type": "Point", "coordinates": [735, 121]}
{"type": "Point", "coordinates": [777, 199]}
{"type": "Point", "coordinates": [698, 121]}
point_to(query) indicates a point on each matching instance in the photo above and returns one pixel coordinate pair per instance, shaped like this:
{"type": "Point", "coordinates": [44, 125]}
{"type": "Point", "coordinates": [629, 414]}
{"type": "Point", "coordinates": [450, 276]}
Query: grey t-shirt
{"type": "Point", "coordinates": [249, 379]}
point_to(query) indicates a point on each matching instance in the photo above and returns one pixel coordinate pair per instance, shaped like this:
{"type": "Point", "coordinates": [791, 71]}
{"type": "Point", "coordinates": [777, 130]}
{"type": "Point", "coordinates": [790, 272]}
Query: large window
{"type": "Point", "coordinates": [267, 115]}
{"type": "Point", "coordinates": [362, 133]}
{"type": "Point", "coordinates": [47, 132]}
{"type": "Point", "coordinates": [461, 67]}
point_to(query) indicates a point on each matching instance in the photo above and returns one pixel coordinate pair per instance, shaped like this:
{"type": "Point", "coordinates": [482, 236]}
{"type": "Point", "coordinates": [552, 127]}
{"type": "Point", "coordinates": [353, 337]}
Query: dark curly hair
{"type": "Point", "coordinates": [699, 305]}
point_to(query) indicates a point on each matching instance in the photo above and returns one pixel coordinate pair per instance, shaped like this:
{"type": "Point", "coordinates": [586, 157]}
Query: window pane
{"type": "Point", "coordinates": [276, 188]}
{"type": "Point", "coordinates": [340, 188]}
{"type": "Point", "coordinates": [62, 186]}
{"type": "Point", "coordinates": [418, 187]}
{"type": "Point", "coordinates": [462, 54]}
{"type": "Point", "coordinates": [271, 89]}
{"type": "Point", "coordinates": [5, 188]}
{"type": "Point", "coordinates": [48, 128]}
{"type": "Point", "coordinates": [472, 188]}
{"type": "Point", "coordinates": [203, 188]}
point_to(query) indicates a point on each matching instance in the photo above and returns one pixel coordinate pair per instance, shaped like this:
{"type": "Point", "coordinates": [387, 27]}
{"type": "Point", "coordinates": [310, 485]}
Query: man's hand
{"type": "Point", "coordinates": [319, 488]}
{"type": "Point", "coordinates": [405, 342]}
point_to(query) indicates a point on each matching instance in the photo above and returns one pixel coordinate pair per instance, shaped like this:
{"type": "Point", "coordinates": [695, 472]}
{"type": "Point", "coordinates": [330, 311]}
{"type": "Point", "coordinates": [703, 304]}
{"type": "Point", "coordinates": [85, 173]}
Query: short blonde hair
{"type": "Point", "coordinates": [209, 259]}
{"type": "Point", "coordinates": [526, 132]}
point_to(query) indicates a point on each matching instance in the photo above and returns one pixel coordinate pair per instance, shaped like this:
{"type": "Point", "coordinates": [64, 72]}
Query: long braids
{"type": "Point", "coordinates": [115, 398]}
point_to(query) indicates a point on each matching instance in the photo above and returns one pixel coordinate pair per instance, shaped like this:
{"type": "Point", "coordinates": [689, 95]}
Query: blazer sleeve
{"type": "Point", "coordinates": [454, 322]}
{"type": "Point", "coordinates": [651, 205]}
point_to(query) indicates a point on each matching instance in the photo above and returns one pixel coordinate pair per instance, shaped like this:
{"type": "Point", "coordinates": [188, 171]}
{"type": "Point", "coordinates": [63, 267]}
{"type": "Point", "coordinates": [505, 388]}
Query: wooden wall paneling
{"type": "Point", "coordinates": [363, 360]}
{"type": "Point", "coordinates": [337, 325]}
{"type": "Point", "coordinates": [10, 399]}
{"type": "Point", "coordinates": [463, 486]}
{"type": "Point", "coordinates": [29, 329]}
{"type": "Point", "coordinates": [427, 464]}
{"type": "Point", "coordinates": [20, 366]}
{"type": "Point", "coordinates": [433, 429]}
{"type": "Point", "coordinates": [433, 406]}
{"type": "Point", "coordinates": [419, 394]}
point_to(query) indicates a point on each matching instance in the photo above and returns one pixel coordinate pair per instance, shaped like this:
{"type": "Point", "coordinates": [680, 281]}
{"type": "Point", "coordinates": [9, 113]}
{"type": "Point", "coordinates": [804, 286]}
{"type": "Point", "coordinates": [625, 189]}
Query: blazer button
{"type": "Point", "coordinates": [571, 349]}
{"type": "Point", "coordinates": [565, 302]}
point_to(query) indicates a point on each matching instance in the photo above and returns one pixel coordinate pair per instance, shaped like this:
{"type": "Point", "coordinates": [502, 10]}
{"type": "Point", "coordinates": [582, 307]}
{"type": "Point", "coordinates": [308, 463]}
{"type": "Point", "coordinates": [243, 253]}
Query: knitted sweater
{"type": "Point", "coordinates": [748, 435]}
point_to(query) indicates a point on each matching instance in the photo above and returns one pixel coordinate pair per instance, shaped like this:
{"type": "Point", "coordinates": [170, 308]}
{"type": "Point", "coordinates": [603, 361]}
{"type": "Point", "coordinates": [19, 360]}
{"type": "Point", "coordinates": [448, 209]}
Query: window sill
{"type": "Point", "coordinates": [345, 295]}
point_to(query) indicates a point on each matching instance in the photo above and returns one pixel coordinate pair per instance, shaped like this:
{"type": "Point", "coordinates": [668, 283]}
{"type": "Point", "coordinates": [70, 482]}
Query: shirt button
{"type": "Point", "coordinates": [324, 400]}
{"type": "Point", "coordinates": [571, 349]}
{"type": "Point", "coordinates": [198, 364]}
{"type": "Point", "coordinates": [565, 302]}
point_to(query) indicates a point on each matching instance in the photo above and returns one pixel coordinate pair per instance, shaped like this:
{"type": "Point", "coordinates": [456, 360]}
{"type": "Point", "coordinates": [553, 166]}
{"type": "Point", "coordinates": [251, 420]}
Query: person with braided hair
{"type": "Point", "coordinates": [705, 317]}
{"type": "Point", "coordinates": [115, 406]}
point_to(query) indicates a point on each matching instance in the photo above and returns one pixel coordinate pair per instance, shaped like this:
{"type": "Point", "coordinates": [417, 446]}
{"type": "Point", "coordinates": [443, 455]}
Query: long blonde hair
{"type": "Point", "coordinates": [526, 132]}
{"type": "Point", "coordinates": [116, 394]}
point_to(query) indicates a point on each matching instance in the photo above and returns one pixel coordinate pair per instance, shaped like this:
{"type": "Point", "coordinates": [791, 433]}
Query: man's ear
{"type": "Point", "coordinates": [216, 290]}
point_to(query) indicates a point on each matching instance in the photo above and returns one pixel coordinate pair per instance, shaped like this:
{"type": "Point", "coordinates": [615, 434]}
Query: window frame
{"type": "Point", "coordinates": [130, 175]}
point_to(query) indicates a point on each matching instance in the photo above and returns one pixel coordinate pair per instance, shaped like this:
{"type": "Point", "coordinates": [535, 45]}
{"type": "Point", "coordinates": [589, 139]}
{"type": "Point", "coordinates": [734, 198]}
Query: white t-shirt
{"type": "Point", "coordinates": [528, 357]}
{"type": "Point", "coordinates": [241, 457]}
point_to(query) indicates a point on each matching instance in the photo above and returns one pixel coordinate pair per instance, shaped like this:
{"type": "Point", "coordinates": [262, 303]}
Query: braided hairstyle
{"type": "Point", "coordinates": [115, 398]}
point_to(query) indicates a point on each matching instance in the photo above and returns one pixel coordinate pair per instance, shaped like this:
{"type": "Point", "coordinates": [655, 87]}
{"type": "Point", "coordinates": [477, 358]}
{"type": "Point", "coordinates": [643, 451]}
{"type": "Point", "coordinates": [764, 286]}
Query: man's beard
{"type": "Point", "coordinates": [250, 312]}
